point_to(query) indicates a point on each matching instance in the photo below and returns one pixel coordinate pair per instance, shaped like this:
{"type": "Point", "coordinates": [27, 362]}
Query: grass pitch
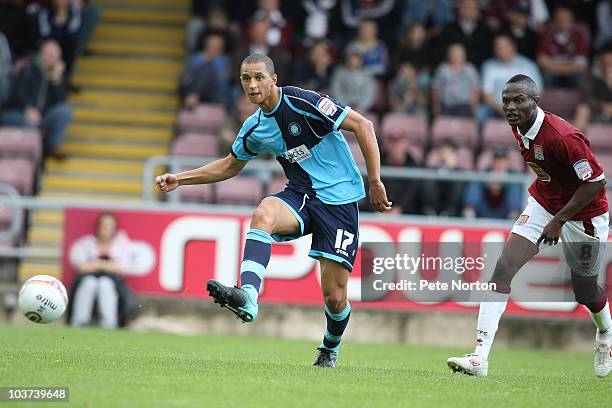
{"type": "Point", "coordinates": [132, 369]}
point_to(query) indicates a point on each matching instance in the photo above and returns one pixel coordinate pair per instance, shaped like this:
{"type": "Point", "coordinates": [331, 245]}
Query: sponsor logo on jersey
{"type": "Point", "coordinates": [326, 106]}
{"type": "Point", "coordinates": [583, 169]}
{"type": "Point", "coordinates": [542, 175]}
{"type": "Point", "coordinates": [297, 154]}
{"type": "Point", "coordinates": [538, 152]}
{"type": "Point", "coordinates": [522, 220]}
{"type": "Point", "coordinates": [294, 128]}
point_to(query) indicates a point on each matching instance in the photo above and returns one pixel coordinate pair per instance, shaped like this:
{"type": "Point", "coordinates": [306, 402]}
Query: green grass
{"type": "Point", "coordinates": [132, 369]}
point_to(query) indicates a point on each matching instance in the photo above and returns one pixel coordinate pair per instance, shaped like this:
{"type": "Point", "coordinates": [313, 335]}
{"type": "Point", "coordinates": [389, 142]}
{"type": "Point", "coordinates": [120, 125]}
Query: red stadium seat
{"type": "Point", "coordinates": [19, 173]}
{"type": "Point", "coordinates": [199, 193]}
{"type": "Point", "coordinates": [465, 158]}
{"type": "Point", "coordinates": [515, 160]}
{"type": "Point", "coordinates": [560, 101]}
{"type": "Point", "coordinates": [600, 135]}
{"type": "Point", "coordinates": [497, 132]}
{"type": "Point", "coordinates": [245, 190]}
{"type": "Point", "coordinates": [461, 130]}
{"type": "Point", "coordinates": [276, 185]}
{"type": "Point", "coordinates": [412, 127]}
{"type": "Point", "coordinates": [192, 144]}
{"type": "Point", "coordinates": [205, 118]}
{"type": "Point", "coordinates": [21, 142]}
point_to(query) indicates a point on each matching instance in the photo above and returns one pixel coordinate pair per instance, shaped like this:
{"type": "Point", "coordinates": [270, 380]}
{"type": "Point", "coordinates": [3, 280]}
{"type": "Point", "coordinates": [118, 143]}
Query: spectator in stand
{"type": "Point", "coordinates": [469, 30]}
{"type": "Point", "coordinates": [604, 23]}
{"type": "Point", "coordinates": [6, 65]}
{"type": "Point", "coordinates": [280, 31]}
{"type": "Point", "coordinates": [498, 11]}
{"type": "Point", "coordinates": [413, 48]}
{"type": "Point", "coordinates": [563, 51]}
{"type": "Point", "coordinates": [205, 76]}
{"type": "Point", "coordinates": [317, 20]}
{"type": "Point", "coordinates": [406, 94]}
{"type": "Point", "coordinates": [373, 51]}
{"type": "Point", "coordinates": [233, 122]}
{"type": "Point", "coordinates": [444, 198]}
{"type": "Point", "coordinates": [14, 25]}
{"type": "Point", "coordinates": [38, 98]}
{"type": "Point", "coordinates": [494, 200]}
{"type": "Point", "coordinates": [495, 73]}
{"type": "Point", "coordinates": [101, 259]}
{"type": "Point", "coordinates": [417, 11]}
{"type": "Point", "coordinates": [517, 27]}
{"type": "Point", "coordinates": [596, 92]}
{"type": "Point", "coordinates": [60, 22]}
{"type": "Point", "coordinates": [352, 84]}
{"type": "Point", "coordinates": [257, 42]}
{"type": "Point", "coordinates": [456, 85]}
{"type": "Point", "coordinates": [405, 193]}
{"type": "Point", "coordinates": [316, 72]}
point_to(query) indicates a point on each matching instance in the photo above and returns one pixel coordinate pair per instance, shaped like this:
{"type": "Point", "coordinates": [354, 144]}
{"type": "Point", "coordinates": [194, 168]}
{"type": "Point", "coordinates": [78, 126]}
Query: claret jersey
{"type": "Point", "coordinates": [302, 131]}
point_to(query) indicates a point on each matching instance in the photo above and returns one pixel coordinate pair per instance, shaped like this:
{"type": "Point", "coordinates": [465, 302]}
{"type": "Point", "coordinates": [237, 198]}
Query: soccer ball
{"type": "Point", "coordinates": [43, 299]}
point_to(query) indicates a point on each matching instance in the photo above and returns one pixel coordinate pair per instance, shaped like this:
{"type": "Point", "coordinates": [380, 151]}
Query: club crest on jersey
{"type": "Point", "coordinates": [295, 129]}
{"type": "Point", "coordinates": [538, 152]}
{"type": "Point", "coordinates": [522, 220]}
{"type": "Point", "coordinates": [583, 169]}
{"type": "Point", "coordinates": [297, 154]}
{"type": "Point", "coordinates": [542, 175]}
{"type": "Point", "coordinates": [326, 106]}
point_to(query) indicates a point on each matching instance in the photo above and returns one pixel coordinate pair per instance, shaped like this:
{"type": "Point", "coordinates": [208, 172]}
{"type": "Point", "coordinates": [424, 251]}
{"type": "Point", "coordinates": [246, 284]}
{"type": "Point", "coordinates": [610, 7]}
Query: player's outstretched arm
{"type": "Point", "coordinates": [366, 137]}
{"type": "Point", "coordinates": [218, 170]}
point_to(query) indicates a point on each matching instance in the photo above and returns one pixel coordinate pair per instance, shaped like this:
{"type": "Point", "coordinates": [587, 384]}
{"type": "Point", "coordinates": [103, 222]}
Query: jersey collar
{"type": "Point", "coordinates": [535, 128]}
{"type": "Point", "coordinates": [280, 98]}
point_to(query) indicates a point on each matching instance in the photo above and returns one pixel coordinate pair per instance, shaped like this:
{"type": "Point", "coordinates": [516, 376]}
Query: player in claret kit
{"type": "Point", "coordinates": [302, 129]}
{"type": "Point", "coordinates": [567, 201]}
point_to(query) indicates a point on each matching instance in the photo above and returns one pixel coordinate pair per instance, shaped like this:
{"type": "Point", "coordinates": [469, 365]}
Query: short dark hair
{"type": "Point", "coordinates": [525, 80]}
{"type": "Point", "coordinates": [257, 58]}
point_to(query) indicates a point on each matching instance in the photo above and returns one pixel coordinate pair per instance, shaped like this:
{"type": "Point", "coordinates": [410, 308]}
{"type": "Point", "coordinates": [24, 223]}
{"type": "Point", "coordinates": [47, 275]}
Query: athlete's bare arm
{"type": "Point", "coordinates": [218, 170]}
{"type": "Point", "coordinates": [581, 198]}
{"type": "Point", "coordinates": [366, 137]}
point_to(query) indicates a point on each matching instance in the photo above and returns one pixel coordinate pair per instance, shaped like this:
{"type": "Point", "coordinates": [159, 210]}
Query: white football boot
{"type": "Point", "coordinates": [470, 364]}
{"type": "Point", "coordinates": [603, 355]}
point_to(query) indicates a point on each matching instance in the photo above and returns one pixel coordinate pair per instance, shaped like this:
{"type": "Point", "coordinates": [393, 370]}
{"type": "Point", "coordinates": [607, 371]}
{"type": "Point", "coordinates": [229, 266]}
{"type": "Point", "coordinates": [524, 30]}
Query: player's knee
{"type": "Point", "coordinates": [505, 269]}
{"type": "Point", "coordinates": [335, 300]}
{"type": "Point", "coordinates": [586, 290]}
{"type": "Point", "coordinates": [263, 218]}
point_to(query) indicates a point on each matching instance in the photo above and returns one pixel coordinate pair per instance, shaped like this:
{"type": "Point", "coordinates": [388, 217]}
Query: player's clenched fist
{"type": "Point", "coordinates": [166, 182]}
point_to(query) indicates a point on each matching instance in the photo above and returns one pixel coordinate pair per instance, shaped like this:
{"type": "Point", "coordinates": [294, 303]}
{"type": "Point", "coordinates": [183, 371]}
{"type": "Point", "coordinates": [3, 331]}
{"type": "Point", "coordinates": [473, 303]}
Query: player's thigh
{"type": "Point", "coordinates": [584, 244]}
{"type": "Point", "coordinates": [532, 221]}
{"type": "Point", "coordinates": [275, 217]}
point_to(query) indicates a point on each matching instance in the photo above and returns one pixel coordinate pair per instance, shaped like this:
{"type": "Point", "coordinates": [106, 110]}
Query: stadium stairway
{"type": "Point", "coordinates": [124, 113]}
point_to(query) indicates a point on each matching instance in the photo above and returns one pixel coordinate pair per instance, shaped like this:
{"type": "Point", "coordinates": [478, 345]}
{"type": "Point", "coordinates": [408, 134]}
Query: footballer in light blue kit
{"type": "Point", "coordinates": [302, 129]}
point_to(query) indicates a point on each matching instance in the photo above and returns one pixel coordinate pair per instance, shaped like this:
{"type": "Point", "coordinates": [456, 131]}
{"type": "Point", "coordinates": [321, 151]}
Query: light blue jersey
{"type": "Point", "coordinates": [303, 133]}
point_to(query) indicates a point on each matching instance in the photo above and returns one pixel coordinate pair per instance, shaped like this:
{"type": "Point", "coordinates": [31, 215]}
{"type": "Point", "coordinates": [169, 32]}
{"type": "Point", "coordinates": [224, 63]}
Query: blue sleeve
{"type": "Point", "coordinates": [318, 106]}
{"type": "Point", "coordinates": [245, 146]}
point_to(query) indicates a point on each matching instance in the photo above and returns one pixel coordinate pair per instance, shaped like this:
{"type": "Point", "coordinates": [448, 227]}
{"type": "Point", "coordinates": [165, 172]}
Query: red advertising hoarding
{"type": "Point", "coordinates": [176, 253]}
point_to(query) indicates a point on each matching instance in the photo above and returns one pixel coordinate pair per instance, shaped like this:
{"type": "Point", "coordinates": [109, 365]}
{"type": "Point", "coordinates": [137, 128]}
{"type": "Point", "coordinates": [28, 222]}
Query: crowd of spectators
{"type": "Point", "coordinates": [436, 57]}
{"type": "Point", "coordinates": [39, 43]}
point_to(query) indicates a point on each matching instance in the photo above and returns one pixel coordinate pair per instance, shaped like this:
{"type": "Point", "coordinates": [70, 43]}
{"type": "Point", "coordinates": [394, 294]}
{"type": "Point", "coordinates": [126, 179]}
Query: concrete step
{"type": "Point", "coordinates": [132, 117]}
{"type": "Point", "coordinates": [48, 218]}
{"type": "Point", "coordinates": [99, 184]}
{"type": "Point", "coordinates": [119, 83]}
{"type": "Point", "coordinates": [111, 150]}
{"type": "Point", "coordinates": [175, 4]}
{"type": "Point", "coordinates": [107, 100]}
{"type": "Point", "coordinates": [133, 48]}
{"type": "Point", "coordinates": [45, 236]}
{"type": "Point", "coordinates": [142, 67]}
{"type": "Point", "coordinates": [67, 196]}
{"type": "Point", "coordinates": [150, 16]}
{"type": "Point", "coordinates": [83, 166]}
{"type": "Point", "coordinates": [32, 267]}
{"type": "Point", "coordinates": [123, 134]}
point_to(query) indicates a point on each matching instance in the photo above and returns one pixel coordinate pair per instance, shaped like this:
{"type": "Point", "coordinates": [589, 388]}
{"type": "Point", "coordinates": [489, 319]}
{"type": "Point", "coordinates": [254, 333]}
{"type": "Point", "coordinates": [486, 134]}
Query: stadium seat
{"type": "Point", "coordinates": [205, 118]}
{"type": "Point", "coordinates": [599, 135]}
{"type": "Point", "coordinates": [465, 158]}
{"type": "Point", "coordinates": [200, 193]}
{"type": "Point", "coordinates": [19, 173]}
{"type": "Point", "coordinates": [193, 144]}
{"type": "Point", "coordinates": [413, 127]}
{"type": "Point", "coordinates": [276, 185]}
{"type": "Point", "coordinates": [461, 130]}
{"type": "Point", "coordinates": [497, 132]}
{"type": "Point", "coordinates": [21, 142]}
{"type": "Point", "coordinates": [516, 162]}
{"type": "Point", "coordinates": [245, 190]}
{"type": "Point", "coordinates": [605, 160]}
{"type": "Point", "coordinates": [560, 101]}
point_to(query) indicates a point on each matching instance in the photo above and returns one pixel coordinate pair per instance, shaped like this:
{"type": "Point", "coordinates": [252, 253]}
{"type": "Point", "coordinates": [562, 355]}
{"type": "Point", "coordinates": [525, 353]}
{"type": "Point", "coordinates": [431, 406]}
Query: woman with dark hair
{"type": "Point", "coordinates": [100, 260]}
